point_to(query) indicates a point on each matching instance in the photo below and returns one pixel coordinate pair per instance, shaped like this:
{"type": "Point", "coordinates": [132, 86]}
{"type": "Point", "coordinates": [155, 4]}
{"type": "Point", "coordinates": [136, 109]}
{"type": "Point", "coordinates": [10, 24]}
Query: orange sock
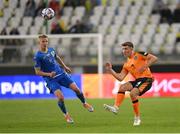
{"type": "Point", "coordinates": [136, 107]}
{"type": "Point", "coordinates": [119, 99]}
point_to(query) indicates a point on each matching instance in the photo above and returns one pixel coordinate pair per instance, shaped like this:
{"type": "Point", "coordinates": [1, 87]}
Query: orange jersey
{"type": "Point", "coordinates": [135, 62]}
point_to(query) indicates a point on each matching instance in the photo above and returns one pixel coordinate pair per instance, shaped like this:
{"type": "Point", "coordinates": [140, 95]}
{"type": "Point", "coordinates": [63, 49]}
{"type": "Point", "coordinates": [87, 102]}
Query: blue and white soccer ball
{"type": "Point", "coordinates": [47, 13]}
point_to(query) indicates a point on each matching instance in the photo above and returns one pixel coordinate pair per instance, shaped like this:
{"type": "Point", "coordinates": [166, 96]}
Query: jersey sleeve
{"type": "Point", "coordinates": [143, 54]}
{"type": "Point", "coordinates": [37, 62]}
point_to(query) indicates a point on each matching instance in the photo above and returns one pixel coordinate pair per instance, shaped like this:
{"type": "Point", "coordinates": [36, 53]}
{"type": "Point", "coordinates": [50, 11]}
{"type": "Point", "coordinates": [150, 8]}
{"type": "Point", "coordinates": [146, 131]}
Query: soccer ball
{"type": "Point", "coordinates": [47, 13]}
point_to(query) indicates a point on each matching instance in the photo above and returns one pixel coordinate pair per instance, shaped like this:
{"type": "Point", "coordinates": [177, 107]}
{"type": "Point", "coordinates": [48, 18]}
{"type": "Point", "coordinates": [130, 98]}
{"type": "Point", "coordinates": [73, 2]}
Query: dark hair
{"type": "Point", "coordinates": [43, 36]}
{"type": "Point", "coordinates": [129, 44]}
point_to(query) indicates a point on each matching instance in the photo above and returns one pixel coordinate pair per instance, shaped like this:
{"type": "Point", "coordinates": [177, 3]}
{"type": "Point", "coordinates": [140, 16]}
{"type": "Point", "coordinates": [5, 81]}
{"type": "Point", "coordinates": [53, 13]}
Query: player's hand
{"type": "Point", "coordinates": [68, 70]}
{"type": "Point", "coordinates": [108, 66]}
{"type": "Point", "coordinates": [52, 74]}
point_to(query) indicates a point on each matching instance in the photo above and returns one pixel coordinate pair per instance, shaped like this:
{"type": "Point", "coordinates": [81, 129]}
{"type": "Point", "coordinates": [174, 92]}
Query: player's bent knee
{"type": "Point", "coordinates": [61, 98]}
{"type": "Point", "coordinates": [59, 95]}
{"type": "Point", "coordinates": [122, 88]}
{"type": "Point", "coordinates": [75, 88]}
{"type": "Point", "coordinates": [121, 91]}
{"type": "Point", "coordinates": [132, 95]}
{"type": "Point", "coordinates": [77, 91]}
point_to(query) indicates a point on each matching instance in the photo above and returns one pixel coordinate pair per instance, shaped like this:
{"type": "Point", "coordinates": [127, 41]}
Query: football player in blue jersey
{"type": "Point", "coordinates": [54, 71]}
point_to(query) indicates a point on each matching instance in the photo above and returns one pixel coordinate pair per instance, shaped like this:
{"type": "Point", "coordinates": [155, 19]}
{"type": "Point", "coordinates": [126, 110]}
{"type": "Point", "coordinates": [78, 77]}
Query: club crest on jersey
{"type": "Point", "coordinates": [53, 53]}
{"type": "Point", "coordinates": [135, 57]}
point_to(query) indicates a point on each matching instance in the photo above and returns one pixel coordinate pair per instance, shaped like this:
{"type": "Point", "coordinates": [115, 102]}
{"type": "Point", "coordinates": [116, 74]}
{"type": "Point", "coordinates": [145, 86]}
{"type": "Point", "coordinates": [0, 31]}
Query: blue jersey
{"type": "Point", "coordinates": [46, 62]}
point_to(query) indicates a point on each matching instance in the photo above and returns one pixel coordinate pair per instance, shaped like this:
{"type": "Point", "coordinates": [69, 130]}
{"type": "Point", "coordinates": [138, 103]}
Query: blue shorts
{"type": "Point", "coordinates": [56, 83]}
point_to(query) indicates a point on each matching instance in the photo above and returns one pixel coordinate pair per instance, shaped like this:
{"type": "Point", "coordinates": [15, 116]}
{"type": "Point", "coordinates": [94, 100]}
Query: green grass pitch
{"type": "Point", "coordinates": [159, 115]}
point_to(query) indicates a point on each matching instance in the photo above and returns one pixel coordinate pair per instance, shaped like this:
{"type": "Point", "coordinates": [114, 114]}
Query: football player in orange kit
{"type": "Point", "coordinates": [137, 65]}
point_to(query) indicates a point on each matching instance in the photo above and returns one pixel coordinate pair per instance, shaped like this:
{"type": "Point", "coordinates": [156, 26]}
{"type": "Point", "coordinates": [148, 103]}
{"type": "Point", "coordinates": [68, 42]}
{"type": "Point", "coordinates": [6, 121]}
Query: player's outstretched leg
{"type": "Point", "coordinates": [66, 114]}
{"type": "Point", "coordinates": [88, 107]}
{"type": "Point", "coordinates": [113, 109]}
{"type": "Point", "coordinates": [62, 106]}
{"type": "Point", "coordinates": [85, 104]}
{"type": "Point", "coordinates": [118, 100]}
{"type": "Point", "coordinates": [80, 95]}
{"type": "Point", "coordinates": [68, 118]}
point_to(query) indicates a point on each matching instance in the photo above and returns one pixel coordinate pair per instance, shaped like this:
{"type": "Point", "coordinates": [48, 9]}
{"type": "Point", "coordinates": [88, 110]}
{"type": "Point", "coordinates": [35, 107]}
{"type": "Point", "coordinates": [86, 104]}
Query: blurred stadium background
{"type": "Point", "coordinates": [75, 32]}
{"type": "Point", "coordinates": [152, 25]}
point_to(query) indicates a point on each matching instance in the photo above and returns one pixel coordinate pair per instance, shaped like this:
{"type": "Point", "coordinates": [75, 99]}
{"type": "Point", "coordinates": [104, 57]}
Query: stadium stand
{"type": "Point", "coordinates": [144, 22]}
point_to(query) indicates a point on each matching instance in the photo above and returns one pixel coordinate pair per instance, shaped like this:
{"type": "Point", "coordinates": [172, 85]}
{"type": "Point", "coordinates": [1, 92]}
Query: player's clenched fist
{"type": "Point", "coordinates": [108, 66]}
{"type": "Point", "coordinates": [52, 74]}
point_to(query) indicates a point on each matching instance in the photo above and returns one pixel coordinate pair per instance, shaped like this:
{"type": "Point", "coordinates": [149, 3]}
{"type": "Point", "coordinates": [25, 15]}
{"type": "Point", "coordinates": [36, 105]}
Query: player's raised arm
{"type": "Point", "coordinates": [151, 59]}
{"type": "Point", "coordinates": [119, 76]}
{"type": "Point", "coordinates": [60, 61]}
